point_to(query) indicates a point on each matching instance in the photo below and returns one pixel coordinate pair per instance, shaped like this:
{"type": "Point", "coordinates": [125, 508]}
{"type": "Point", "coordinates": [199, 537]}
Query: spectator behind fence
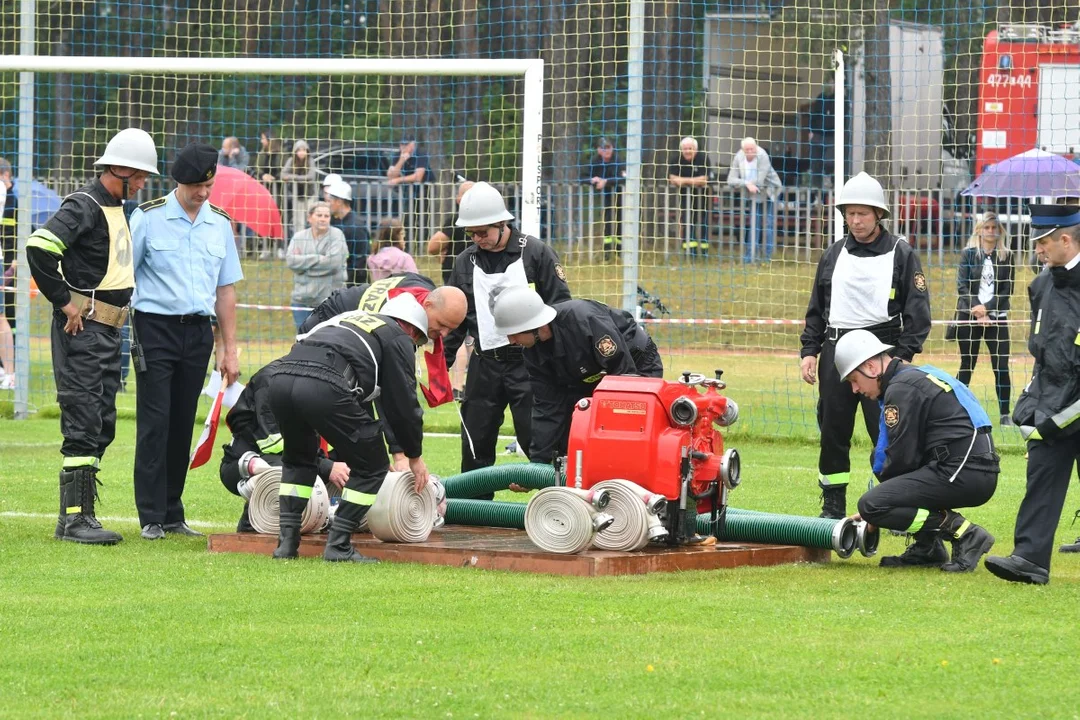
{"type": "Point", "coordinates": [317, 256]}
{"type": "Point", "coordinates": [328, 182]}
{"type": "Point", "coordinates": [410, 166]}
{"type": "Point", "coordinates": [606, 175]}
{"type": "Point", "coordinates": [690, 173]}
{"type": "Point", "coordinates": [820, 125]}
{"type": "Point", "coordinates": [356, 235]}
{"type": "Point", "coordinates": [9, 201]}
{"type": "Point", "coordinates": [752, 173]}
{"type": "Point", "coordinates": [268, 161]}
{"type": "Point", "coordinates": [233, 154]}
{"type": "Point", "coordinates": [300, 169]}
{"type": "Point", "coordinates": [388, 252]}
{"type": "Point", "coordinates": [984, 287]}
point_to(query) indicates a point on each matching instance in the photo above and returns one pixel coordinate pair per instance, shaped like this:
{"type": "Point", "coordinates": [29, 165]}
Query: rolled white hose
{"type": "Point", "coordinates": [560, 521]}
{"type": "Point", "coordinates": [263, 507]}
{"type": "Point", "coordinates": [400, 514]}
{"type": "Point", "coordinates": [630, 531]}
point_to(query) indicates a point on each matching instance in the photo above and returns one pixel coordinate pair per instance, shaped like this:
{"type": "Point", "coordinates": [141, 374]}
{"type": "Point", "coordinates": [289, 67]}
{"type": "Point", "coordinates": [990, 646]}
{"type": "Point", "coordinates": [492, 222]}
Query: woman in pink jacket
{"type": "Point", "coordinates": [389, 254]}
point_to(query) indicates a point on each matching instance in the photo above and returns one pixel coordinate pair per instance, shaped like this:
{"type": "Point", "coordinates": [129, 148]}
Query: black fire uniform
{"type": "Point", "coordinates": [1048, 411]}
{"type": "Point", "coordinates": [85, 248]}
{"type": "Point", "coordinates": [589, 340]}
{"type": "Point", "coordinates": [497, 375]}
{"type": "Point", "coordinates": [369, 297]}
{"type": "Point", "coordinates": [325, 387]}
{"type": "Point", "coordinates": [934, 453]}
{"type": "Point", "coordinates": [880, 287]}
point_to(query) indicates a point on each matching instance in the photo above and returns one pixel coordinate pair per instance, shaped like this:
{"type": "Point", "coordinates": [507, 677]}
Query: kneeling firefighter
{"type": "Point", "coordinates": [568, 348]}
{"type": "Point", "coordinates": [325, 387]}
{"type": "Point", "coordinates": [934, 452]}
{"type": "Point", "coordinates": [256, 444]}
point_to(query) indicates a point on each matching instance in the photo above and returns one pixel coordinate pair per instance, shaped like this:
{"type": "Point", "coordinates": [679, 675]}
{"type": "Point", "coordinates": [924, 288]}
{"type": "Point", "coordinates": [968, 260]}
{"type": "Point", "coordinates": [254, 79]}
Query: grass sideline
{"type": "Point", "coordinates": [166, 629]}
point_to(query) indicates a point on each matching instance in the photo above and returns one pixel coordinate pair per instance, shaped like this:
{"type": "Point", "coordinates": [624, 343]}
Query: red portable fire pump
{"type": "Point", "coordinates": [661, 436]}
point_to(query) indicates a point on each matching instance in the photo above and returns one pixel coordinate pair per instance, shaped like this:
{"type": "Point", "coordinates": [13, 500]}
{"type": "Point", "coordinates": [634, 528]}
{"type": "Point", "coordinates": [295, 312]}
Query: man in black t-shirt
{"type": "Point", "coordinates": [689, 172]}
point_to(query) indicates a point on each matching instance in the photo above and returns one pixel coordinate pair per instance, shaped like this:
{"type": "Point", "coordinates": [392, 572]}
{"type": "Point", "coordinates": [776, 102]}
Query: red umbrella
{"type": "Point", "coordinates": [247, 201]}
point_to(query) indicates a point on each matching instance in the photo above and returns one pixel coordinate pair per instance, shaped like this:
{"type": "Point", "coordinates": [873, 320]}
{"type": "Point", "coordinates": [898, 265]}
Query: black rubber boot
{"type": "Point", "coordinates": [1073, 547]}
{"type": "Point", "coordinates": [244, 524]}
{"type": "Point", "coordinates": [339, 542]}
{"type": "Point", "coordinates": [969, 543]}
{"type": "Point", "coordinates": [833, 501]}
{"type": "Point", "coordinates": [78, 491]}
{"type": "Point", "coordinates": [927, 551]}
{"type": "Point", "coordinates": [59, 532]}
{"type": "Point", "coordinates": [291, 510]}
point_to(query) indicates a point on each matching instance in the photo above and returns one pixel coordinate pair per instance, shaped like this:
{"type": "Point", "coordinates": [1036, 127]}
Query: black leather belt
{"type": "Point", "coordinates": [984, 445]}
{"type": "Point", "coordinates": [182, 319]}
{"type": "Point", "coordinates": [887, 334]}
{"type": "Point", "coordinates": [506, 353]}
{"type": "Point", "coordinates": [323, 356]}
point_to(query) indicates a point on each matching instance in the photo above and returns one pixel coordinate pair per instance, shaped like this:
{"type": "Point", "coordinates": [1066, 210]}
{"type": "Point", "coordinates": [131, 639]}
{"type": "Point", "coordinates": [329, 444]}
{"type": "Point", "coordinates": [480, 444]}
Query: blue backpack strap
{"type": "Point", "coordinates": [882, 441]}
{"type": "Point", "coordinates": [967, 399]}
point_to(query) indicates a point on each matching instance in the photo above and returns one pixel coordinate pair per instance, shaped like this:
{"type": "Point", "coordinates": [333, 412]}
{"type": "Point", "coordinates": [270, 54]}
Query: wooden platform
{"type": "Point", "coordinates": [498, 549]}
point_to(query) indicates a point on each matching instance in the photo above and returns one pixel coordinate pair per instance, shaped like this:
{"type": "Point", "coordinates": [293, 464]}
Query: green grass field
{"type": "Point", "coordinates": [166, 629]}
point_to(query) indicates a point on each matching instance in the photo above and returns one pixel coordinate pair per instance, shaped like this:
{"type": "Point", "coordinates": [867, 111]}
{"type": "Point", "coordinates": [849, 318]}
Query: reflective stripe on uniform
{"type": "Point", "coordinates": [272, 444]}
{"type": "Point", "coordinates": [45, 240]}
{"type": "Point", "coordinates": [290, 490]}
{"type": "Point", "coordinates": [357, 498]}
{"type": "Point", "coordinates": [78, 462]}
{"type": "Point", "coordinates": [919, 521]}
{"type": "Point", "coordinates": [842, 478]}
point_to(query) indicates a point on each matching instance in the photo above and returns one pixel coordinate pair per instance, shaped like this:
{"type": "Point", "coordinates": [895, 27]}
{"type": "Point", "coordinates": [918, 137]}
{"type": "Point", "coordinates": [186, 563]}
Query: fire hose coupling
{"type": "Point", "coordinates": [684, 411]}
{"type": "Point", "coordinates": [400, 514]}
{"type": "Point", "coordinates": [599, 499]}
{"type": "Point", "coordinates": [731, 414]}
{"type": "Point", "coordinates": [844, 538]}
{"type": "Point", "coordinates": [634, 524]}
{"type": "Point", "coordinates": [263, 506]}
{"type": "Point", "coordinates": [731, 468]}
{"type": "Point", "coordinates": [866, 540]}
{"type": "Point", "coordinates": [559, 520]}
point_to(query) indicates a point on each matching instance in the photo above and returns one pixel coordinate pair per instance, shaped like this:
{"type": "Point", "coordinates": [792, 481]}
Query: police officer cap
{"type": "Point", "coordinates": [1045, 219]}
{"type": "Point", "coordinates": [196, 163]}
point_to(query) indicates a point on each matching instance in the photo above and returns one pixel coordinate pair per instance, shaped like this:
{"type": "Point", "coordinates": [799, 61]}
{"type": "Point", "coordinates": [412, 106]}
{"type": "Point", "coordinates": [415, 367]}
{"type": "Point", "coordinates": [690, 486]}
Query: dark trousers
{"type": "Point", "coordinates": [9, 246]}
{"type": "Point", "coordinates": [996, 336]}
{"type": "Point", "coordinates": [836, 417]}
{"type": "Point", "coordinates": [177, 354]}
{"type": "Point", "coordinates": [1049, 469]}
{"type": "Point", "coordinates": [491, 386]}
{"type": "Point", "coordinates": [229, 471]}
{"type": "Point", "coordinates": [307, 408]}
{"type": "Point", "coordinates": [612, 214]}
{"type": "Point", "coordinates": [86, 368]}
{"type": "Point", "coordinates": [895, 503]}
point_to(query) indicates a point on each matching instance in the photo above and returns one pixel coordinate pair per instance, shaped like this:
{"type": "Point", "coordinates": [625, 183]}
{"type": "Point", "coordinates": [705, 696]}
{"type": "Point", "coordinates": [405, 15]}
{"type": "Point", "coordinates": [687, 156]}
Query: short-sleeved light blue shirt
{"type": "Point", "coordinates": [180, 264]}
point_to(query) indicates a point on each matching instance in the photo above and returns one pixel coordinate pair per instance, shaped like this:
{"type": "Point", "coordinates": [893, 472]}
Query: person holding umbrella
{"type": "Point", "coordinates": [186, 267]}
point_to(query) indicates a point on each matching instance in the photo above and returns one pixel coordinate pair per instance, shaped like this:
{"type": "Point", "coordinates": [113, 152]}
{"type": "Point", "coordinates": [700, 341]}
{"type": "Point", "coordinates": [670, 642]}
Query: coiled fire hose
{"type": "Point", "coordinates": [533, 476]}
{"type": "Point", "coordinates": [632, 529]}
{"type": "Point", "coordinates": [839, 536]}
{"type": "Point", "coordinates": [559, 520]}
{"type": "Point", "coordinates": [263, 504]}
{"type": "Point", "coordinates": [402, 515]}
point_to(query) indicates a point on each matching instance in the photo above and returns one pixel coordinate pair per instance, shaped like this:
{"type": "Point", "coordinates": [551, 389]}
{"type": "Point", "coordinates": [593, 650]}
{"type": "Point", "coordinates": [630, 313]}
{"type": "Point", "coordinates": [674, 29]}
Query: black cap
{"type": "Point", "coordinates": [196, 163]}
{"type": "Point", "coordinates": [1045, 219]}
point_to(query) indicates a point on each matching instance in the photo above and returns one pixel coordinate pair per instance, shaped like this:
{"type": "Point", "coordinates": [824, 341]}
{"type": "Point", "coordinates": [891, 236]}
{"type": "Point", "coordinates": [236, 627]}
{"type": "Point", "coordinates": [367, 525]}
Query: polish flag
{"type": "Point", "coordinates": [205, 447]}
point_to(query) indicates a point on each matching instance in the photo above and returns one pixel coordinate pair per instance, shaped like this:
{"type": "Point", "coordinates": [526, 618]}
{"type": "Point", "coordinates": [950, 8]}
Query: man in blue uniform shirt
{"type": "Point", "coordinates": [186, 265]}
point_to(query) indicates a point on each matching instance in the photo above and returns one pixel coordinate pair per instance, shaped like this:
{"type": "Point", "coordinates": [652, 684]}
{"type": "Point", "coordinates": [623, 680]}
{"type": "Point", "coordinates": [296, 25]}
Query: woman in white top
{"type": "Point", "coordinates": [317, 256]}
{"type": "Point", "coordinates": [984, 286]}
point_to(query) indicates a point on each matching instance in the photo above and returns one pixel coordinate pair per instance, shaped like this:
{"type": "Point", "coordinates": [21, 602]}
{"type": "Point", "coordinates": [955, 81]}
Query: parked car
{"type": "Point", "coordinates": [354, 162]}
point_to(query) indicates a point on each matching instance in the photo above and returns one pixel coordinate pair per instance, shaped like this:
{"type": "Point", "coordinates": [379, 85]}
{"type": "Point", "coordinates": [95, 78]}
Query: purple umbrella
{"type": "Point", "coordinates": [1035, 173]}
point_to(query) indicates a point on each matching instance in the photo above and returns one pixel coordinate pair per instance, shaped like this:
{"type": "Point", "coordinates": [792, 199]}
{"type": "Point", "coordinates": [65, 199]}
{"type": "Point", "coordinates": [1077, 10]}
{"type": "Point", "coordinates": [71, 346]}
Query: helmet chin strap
{"type": "Point", "coordinates": [123, 179]}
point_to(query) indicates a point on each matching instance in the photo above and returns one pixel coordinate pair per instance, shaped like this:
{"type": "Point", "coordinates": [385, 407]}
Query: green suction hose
{"type": "Point", "coordinates": [762, 527]}
{"type": "Point", "coordinates": [534, 476]}
{"type": "Point", "coordinates": [487, 513]}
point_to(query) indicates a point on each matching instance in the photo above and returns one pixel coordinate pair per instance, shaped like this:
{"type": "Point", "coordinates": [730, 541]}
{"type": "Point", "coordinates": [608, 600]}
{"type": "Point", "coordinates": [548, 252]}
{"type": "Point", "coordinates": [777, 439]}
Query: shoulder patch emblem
{"type": "Point", "coordinates": [220, 211]}
{"type": "Point", "coordinates": [891, 414]}
{"type": "Point", "coordinates": [155, 203]}
{"type": "Point", "coordinates": [606, 346]}
{"type": "Point", "coordinates": [560, 272]}
{"type": "Point", "coordinates": [920, 282]}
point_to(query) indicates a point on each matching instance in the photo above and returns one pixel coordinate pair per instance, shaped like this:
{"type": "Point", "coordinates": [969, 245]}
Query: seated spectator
{"type": "Point", "coordinates": [753, 174]}
{"type": "Point", "coordinates": [232, 154]}
{"type": "Point", "coordinates": [317, 256]}
{"type": "Point", "coordinates": [390, 256]}
{"type": "Point", "coordinates": [268, 161]}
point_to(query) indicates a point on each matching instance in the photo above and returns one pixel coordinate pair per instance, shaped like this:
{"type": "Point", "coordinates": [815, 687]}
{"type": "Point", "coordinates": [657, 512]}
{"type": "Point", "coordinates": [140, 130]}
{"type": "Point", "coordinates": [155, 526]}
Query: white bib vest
{"type": "Point", "coordinates": [861, 289]}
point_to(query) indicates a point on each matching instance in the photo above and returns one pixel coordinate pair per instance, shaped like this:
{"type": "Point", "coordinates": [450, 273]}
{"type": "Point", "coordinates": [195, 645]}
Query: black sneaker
{"type": "Point", "coordinates": [924, 552]}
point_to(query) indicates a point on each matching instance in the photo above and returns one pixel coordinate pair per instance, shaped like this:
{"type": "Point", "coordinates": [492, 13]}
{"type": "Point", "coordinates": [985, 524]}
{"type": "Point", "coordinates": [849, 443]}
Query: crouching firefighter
{"type": "Point", "coordinates": [934, 452]}
{"type": "Point", "coordinates": [256, 444]}
{"type": "Point", "coordinates": [325, 387]}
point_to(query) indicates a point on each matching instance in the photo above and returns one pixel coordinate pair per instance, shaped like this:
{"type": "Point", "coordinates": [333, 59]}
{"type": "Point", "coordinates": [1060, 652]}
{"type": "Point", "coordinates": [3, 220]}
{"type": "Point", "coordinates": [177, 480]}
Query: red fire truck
{"type": "Point", "coordinates": [1029, 92]}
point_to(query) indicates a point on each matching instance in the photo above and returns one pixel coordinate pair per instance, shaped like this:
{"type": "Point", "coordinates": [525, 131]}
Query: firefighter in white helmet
{"type": "Point", "coordinates": [870, 280]}
{"type": "Point", "coordinates": [81, 258]}
{"type": "Point", "coordinates": [569, 347]}
{"type": "Point", "coordinates": [934, 452]}
{"type": "Point", "coordinates": [325, 387]}
{"type": "Point", "coordinates": [501, 256]}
